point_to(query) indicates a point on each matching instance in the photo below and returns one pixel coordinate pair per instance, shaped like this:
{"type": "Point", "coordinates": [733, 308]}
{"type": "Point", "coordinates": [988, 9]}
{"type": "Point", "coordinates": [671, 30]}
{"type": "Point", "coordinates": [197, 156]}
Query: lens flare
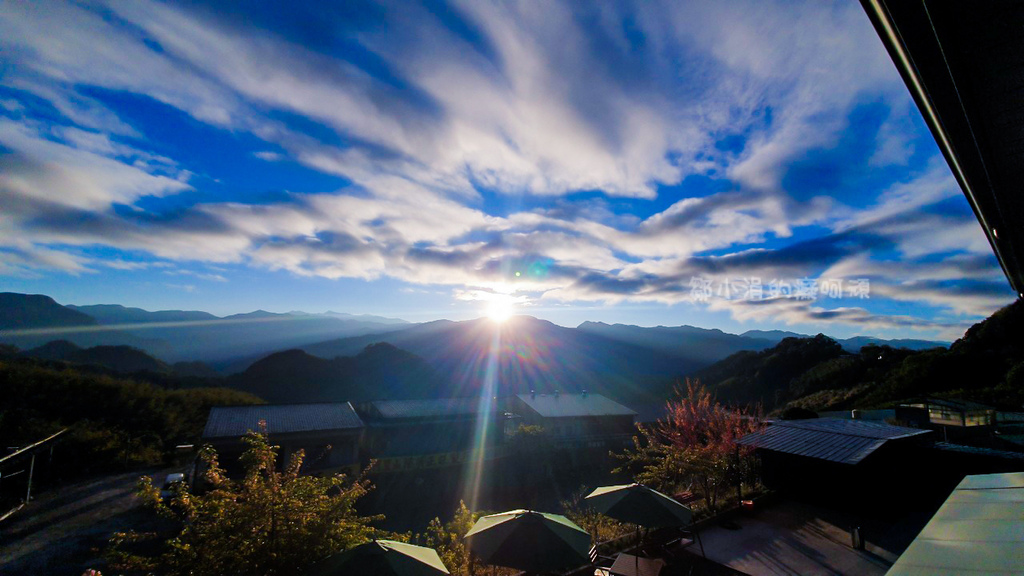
{"type": "Point", "coordinates": [500, 310]}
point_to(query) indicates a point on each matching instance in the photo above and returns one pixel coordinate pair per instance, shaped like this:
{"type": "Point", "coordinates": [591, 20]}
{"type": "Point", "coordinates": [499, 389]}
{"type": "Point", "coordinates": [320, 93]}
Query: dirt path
{"type": "Point", "coordinates": [64, 531]}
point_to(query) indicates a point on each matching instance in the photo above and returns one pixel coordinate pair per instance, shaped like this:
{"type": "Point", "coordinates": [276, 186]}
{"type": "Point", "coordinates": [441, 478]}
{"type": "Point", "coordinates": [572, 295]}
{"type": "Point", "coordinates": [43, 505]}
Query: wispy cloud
{"type": "Point", "coordinates": [556, 151]}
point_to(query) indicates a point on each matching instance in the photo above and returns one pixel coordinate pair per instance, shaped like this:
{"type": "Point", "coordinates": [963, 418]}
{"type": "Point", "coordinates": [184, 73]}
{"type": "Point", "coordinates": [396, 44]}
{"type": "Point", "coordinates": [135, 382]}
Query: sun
{"type": "Point", "coordinates": [500, 311]}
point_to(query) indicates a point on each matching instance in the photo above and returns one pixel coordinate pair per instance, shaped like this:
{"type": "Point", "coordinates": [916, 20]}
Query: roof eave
{"type": "Point", "coordinates": [888, 31]}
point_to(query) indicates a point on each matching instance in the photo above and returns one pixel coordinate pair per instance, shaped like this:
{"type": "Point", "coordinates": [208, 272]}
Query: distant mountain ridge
{"type": "Point", "coordinates": [714, 344]}
{"type": "Point", "coordinates": [635, 364]}
{"type": "Point", "coordinates": [698, 346]}
{"type": "Point", "coordinates": [379, 371]}
{"type": "Point", "coordinates": [123, 359]}
{"type": "Point", "coordinates": [176, 335]}
{"type": "Point", "coordinates": [117, 314]}
{"type": "Point", "coordinates": [986, 365]}
{"type": "Point", "coordinates": [21, 311]}
{"type": "Point", "coordinates": [528, 354]}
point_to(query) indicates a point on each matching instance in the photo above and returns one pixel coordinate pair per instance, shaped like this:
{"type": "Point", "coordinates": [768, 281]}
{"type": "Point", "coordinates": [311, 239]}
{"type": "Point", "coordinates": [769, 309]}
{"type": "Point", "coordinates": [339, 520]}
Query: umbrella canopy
{"type": "Point", "coordinates": [638, 504]}
{"type": "Point", "coordinates": [382, 558]}
{"type": "Point", "coordinates": [530, 541]}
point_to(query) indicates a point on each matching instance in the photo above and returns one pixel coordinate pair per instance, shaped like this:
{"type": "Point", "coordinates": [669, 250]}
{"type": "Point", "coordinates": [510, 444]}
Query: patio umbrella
{"type": "Point", "coordinates": [640, 505]}
{"type": "Point", "coordinates": [529, 541]}
{"type": "Point", "coordinates": [382, 558]}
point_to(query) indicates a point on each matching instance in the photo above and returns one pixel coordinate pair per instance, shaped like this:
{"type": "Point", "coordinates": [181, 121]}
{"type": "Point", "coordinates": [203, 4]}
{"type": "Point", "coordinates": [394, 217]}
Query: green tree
{"type": "Point", "coordinates": [269, 522]}
{"type": "Point", "coordinates": [693, 447]}
{"type": "Point", "coordinates": [600, 527]}
{"type": "Point", "coordinates": [448, 539]}
{"type": "Point", "coordinates": [113, 421]}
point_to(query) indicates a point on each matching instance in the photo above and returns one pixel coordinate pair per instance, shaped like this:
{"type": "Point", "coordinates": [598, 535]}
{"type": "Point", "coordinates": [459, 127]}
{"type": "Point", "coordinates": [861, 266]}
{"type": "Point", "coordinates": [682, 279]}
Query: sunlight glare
{"type": "Point", "coordinates": [500, 310]}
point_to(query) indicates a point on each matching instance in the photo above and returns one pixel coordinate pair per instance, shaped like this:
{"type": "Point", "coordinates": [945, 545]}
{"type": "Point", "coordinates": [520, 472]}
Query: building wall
{"type": "Point", "coordinates": [426, 443]}
{"type": "Point", "coordinates": [342, 455]}
{"type": "Point", "coordinates": [572, 427]}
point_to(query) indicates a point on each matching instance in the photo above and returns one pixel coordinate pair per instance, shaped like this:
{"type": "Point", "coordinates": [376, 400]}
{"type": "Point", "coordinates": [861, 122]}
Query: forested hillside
{"type": "Point", "coordinates": [112, 419]}
{"type": "Point", "coordinates": [380, 371]}
{"type": "Point", "coordinates": [986, 365]}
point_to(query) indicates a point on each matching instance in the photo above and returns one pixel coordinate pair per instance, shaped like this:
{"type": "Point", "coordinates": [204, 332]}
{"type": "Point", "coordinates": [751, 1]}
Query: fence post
{"type": "Point", "coordinates": [31, 469]}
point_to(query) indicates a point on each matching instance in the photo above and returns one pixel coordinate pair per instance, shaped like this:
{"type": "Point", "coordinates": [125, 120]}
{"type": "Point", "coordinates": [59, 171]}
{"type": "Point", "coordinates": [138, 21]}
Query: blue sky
{"type": "Point", "coordinates": [646, 163]}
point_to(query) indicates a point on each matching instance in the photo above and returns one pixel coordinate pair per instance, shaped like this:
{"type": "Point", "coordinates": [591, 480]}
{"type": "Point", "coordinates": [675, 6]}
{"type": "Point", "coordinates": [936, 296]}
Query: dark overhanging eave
{"type": "Point", "coordinates": [928, 59]}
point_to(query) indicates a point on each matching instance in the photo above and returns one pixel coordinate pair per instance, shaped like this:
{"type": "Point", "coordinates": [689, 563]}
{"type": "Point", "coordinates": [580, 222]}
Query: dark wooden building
{"type": "Point", "coordinates": [328, 432]}
{"type": "Point", "coordinates": [404, 435]}
{"type": "Point", "coordinates": [850, 462]}
{"type": "Point", "coordinates": [575, 420]}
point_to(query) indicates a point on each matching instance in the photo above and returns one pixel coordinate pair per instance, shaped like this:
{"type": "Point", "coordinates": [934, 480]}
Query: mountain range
{"type": "Point", "coordinates": [29, 321]}
{"type": "Point", "coordinates": [234, 342]}
{"type": "Point", "coordinates": [298, 356]}
{"type": "Point", "coordinates": [379, 371]}
{"type": "Point", "coordinates": [985, 365]}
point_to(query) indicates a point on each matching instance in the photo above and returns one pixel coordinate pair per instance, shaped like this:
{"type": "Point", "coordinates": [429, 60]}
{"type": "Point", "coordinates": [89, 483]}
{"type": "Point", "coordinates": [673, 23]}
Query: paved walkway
{"type": "Point", "coordinates": [65, 529]}
{"type": "Point", "coordinates": [794, 538]}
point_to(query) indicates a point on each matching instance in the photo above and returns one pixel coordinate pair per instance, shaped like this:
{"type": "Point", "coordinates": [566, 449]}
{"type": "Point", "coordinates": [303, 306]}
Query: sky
{"type": "Point", "coordinates": [734, 165]}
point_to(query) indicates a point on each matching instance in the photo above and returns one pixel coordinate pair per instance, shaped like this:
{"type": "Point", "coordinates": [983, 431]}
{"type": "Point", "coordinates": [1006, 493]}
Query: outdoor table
{"type": "Point", "coordinates": [630, 565]}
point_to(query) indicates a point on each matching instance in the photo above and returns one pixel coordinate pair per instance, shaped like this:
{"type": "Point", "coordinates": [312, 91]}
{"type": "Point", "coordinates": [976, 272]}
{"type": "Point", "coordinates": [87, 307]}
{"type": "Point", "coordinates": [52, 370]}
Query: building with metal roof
{"type": "Point", "coordinates": [978, 530]}
{"type": "Point", "coordinates": [952, 419]}
{"type": "Point", "coordinates": [573, 405]}
{"type": "Point", "coordinates": [831, 439]}
{"type": "Point", "coordinates": [455, 408]}
{"type": "Point", "coordinates": [946, 412]}
{"type": "Point", "coordinates": [328, 433]}
{"type": "Point", "coordinates": [848, 463]}
{"type": "Point", "coordinates": [236, 421]}
{"type": "Point", "coordinates": [575, 420]}
{"type": "Point", "coordinates": [405, 435]}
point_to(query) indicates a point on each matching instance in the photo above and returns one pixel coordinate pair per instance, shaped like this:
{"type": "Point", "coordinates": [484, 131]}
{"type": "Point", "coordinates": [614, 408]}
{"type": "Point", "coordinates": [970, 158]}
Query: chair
{"type": "Point", "coordinates": [599, 560]}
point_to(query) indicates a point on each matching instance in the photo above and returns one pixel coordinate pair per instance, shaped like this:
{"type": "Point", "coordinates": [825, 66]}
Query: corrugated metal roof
{"type": "Point", "coordinates": [844, 441]}
{"type": "Point", "coordinates": [978, 530]}
{"type": "Point", "coordinates": [574, 405]}
{"type": "Point", "coordinates": [439, 408]}
{"type": "Point", "coordinates": [870, 415]}
{"type": "Point", "coordinates": [962, 405]}
{"type": "Point", "coordinates": [235, 421]}
{"type": "Point", "coordinates": [1006, 454]}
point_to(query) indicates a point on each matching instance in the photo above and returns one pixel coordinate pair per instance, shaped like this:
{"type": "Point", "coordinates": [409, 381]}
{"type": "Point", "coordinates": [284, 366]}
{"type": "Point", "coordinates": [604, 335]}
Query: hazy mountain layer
{"type": "Point", "coordinates": [986, 365]}
{"type": "Point", "coordinates": [124, 359]}
{"type": "Point", "coordinates": [528, 354]}
{"type": "Point", "coordinates": [380, 371]}
{"type": "Point", "coordinates": [176, 335]}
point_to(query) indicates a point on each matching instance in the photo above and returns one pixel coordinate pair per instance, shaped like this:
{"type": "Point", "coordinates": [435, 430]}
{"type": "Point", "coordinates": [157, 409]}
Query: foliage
{"type": "Point", "coordinates": [601, 527]}
{"type": "Point", "coordinates": [529, 438]}
{"type": "Point", "coordinates": [532, 457]}
{"type": "Point", "coordinates": [835, 399]}
{"type": "Point", "coordinates": [694, 447]}
{"type": "Point", "coordinates": [764, 378]}
{"type": "Point", "coordinates": [269, 522]}
{"type": "Point", "coordinates": [813, 373]}
{"type": "Point", "coordinates": [113, 421]}
{"type": "Point", "coordinates": [798, 413]}
{"type": "Point", "coordinates": [448, 539]}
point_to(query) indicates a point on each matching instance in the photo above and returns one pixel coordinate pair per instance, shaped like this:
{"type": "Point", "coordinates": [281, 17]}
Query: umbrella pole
{"type": "Point", "coordinates": [636, 557]}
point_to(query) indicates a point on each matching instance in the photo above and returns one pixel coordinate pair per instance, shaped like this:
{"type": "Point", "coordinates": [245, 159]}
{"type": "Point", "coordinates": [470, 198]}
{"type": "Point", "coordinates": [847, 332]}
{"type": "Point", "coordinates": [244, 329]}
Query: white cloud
{"type": "Point", "coordinates": [560, 99]}
{"type": "Point", "coordinates": [82, 173]}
